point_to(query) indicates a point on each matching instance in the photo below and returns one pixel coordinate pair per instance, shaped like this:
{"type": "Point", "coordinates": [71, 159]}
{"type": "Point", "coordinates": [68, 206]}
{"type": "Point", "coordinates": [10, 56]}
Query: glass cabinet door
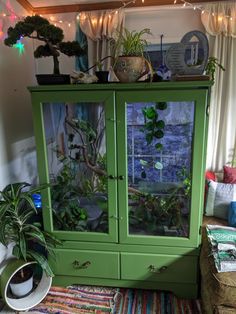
{"type": "Point", "coordinates": [77, 137]}
{"type": "Point", "coordinates": [158, 139]}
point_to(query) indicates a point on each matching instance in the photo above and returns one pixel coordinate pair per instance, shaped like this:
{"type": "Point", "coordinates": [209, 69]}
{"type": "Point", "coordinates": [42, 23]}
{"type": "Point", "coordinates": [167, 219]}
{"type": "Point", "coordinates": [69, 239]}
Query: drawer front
{"type": "Point", "coordinates": [86, 263]}
{"type": "Point", "coordinates": [157, 267]}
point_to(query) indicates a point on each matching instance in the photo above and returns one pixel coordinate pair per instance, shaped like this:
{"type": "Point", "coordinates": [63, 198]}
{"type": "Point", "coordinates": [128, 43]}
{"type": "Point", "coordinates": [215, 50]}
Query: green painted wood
{"type": "Point", "coordinates": [159, 268]}
{"type": "Point", "coordinates": [86, 263]}
{"type": "Point", "coordinates": [135, 248]}
{"type": "Point", "coordinates": [199, 98]}
{"type": "Point", "coordinates": [186, 290]}
{"type": "Point", "coordinates": [127, 86]}
{"type": "Point", "coordinates": [107, 99]}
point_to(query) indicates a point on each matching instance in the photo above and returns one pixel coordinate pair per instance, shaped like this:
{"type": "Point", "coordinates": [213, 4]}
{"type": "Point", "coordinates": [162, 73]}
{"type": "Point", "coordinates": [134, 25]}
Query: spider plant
{"type": "Point", "coordinates": [131, 43]}
{"type": "Point", "coordinates": [17, 211]}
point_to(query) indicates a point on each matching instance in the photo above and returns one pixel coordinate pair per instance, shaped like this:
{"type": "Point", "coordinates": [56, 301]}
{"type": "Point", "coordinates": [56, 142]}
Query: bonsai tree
{"type": "Point", "coordinates": [39, 28]}
{"type": "Point", "coordinates": [16, 212]}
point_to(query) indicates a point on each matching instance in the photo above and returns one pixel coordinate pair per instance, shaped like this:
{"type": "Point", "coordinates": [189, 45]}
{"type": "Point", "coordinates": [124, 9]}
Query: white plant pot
{"type": "Point", "coordinates": [23, 288]}
{"type": "Point", "coordinates": [7, 271]}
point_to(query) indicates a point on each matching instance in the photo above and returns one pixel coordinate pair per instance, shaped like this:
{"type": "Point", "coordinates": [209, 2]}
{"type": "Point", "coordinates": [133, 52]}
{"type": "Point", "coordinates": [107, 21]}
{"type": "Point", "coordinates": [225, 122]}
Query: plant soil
{"type": "Point", "coordinates": [22, 275]}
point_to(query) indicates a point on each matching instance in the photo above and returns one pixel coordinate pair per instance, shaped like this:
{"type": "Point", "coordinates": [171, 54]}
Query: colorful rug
{"type": "Point", "coordinates": [134, 301]}
{"type": "Point", "coordinates": [100, 300]}
{"type": "Point", "coordinates": [77, 300]}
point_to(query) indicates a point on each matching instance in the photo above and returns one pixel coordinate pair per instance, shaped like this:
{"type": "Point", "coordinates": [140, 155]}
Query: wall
{"type": "Point", "coordinates": [17, 148]}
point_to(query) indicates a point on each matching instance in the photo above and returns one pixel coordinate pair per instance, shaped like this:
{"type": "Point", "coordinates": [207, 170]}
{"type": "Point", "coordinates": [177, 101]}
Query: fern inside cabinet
{"type": "Point", "coordinates": [125, 165]}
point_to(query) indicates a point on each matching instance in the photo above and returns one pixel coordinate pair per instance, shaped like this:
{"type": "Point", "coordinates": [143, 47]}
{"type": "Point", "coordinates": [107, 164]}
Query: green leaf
{"type": "Point", "coordinates": [159, 134]}
{"type": "Point", "coordinates": [143, 162]}
{"type": "Point", "coordinates": [158, 165]}
{"type": "Point", "coordinates": [161, 105]}
{"type": "Point", "coordinates": [149, 138]}
{"type": "Point", "coordinates": [22, 245]}
{"type": "Point", "coordinates": [150, 113]}
{"type": "Point", "coordinates": [37, 237]}
{"type": "Point", "coordinates": [159, 146]}
{"type": "Point", "coordinates": [42, 261]}
{"type": "Point", "coordinates": [160, 124]}
{"type": "Point", "coordinates": [16, 251]}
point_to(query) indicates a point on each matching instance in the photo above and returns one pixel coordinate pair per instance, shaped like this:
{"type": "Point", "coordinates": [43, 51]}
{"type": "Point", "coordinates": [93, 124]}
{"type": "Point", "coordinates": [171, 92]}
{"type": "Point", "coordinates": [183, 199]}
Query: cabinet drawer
{"type": "Point", "coordinates": [157, 267]}
{"type": "Point", "coordinates": [86, 263]}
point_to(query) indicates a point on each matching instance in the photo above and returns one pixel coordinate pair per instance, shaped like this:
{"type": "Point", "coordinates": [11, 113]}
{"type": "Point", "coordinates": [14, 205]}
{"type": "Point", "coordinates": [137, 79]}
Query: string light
{"type": "Point", "coordinates": [203, 10]}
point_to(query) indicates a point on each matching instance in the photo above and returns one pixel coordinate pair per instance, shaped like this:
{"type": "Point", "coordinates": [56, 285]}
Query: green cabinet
{"type": "Point", "coordinates": [125, 164]}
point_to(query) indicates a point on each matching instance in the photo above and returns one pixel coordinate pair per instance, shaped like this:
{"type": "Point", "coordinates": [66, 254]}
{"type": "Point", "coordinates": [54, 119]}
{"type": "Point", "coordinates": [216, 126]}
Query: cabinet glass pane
{"type": "Point", "coordinates": [159, 145]}
{"type": "Point", "coordinates": [76, 154]}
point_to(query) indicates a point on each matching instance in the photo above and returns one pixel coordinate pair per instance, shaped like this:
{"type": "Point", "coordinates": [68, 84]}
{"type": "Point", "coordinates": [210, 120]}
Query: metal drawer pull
{"type": "Point", "coordinates": [156, 270]}
{"type": "Point", "coordinates": [78, 265]}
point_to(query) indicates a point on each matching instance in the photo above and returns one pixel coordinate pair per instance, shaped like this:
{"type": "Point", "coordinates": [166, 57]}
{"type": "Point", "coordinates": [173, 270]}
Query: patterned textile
{"type": "Point", "coordinates": [77, 300]}
{"type": "Point", "coordinates": [223, 247]}
{"type": "Point", "coordinates": [135, 301]}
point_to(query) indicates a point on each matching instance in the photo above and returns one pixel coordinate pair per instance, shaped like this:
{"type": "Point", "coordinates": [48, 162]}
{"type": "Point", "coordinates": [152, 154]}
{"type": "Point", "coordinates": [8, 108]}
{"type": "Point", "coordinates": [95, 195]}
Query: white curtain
{"type": "Point", "coordinates": [100, 27]}
{"type": "Point", "coordinates": [219, 20]}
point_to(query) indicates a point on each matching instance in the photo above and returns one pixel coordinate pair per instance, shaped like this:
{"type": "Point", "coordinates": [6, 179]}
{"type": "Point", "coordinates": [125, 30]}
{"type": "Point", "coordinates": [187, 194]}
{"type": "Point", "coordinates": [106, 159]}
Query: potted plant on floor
{"type": "Point", "coordinates": [17, 210]}
{"type": "Point", "coordinates": [39, 28]}
{"type": "Point", "coordinates": [131, 65]}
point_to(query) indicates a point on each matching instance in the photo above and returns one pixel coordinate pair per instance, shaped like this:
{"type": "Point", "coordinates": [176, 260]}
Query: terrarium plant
{"type": "Point", "coordinates": [39, 28]}
{"type": "Point", "coordinates": [128, 49]}
{"type": "Point", "coordinates": [17, 213]}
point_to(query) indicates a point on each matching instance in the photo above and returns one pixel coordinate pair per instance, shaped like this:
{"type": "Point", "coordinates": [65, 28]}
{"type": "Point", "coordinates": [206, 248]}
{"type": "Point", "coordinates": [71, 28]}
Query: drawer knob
{"type": "Point", "coordinates": [156, 270]}
{"type": "Point", "coordinates": [77, 265]}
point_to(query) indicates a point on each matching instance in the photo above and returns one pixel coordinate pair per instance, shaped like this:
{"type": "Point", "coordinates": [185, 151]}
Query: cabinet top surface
{"type": "Point", "coordinates": [125, 87]}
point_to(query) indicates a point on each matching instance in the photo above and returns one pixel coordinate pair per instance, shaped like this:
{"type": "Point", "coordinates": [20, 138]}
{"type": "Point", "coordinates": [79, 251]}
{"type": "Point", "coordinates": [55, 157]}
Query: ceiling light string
{"type": "Point", "coordinates": [111, 12]}
{"type": "Point", "coordinates": [195, 7]}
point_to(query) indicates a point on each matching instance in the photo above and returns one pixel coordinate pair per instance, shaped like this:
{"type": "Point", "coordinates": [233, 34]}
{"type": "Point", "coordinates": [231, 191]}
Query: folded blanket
{"type": "Point", "coordinates": [223, 247]}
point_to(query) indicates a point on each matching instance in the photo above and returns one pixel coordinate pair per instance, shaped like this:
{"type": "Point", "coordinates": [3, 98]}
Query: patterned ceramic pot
{"type": "Point", "coordinates": [129, 69]}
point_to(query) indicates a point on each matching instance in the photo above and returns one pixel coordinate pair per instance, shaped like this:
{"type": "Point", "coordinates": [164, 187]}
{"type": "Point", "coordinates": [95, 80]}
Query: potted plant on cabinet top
{"type": "Point", "coordinates": [101, 74]}
{"type": "Point", "coordinates": [131, 64]}
{"type": "Point", "coordinates": [39, 28]}
{"type": "Point", "coordinates": [17, 211]}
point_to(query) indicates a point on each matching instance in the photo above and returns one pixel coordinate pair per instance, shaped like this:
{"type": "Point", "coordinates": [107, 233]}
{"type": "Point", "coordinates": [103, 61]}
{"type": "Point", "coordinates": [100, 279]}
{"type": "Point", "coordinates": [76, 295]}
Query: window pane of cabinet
{"type": "Point", "coordinates": [76, 155]}
{"type": "Point", "coordinates": [159, 146]}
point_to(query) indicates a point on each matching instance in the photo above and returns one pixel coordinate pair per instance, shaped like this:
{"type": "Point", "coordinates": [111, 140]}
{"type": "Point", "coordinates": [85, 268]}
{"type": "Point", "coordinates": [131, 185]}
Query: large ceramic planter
{"type": "Point", "coordinates": [129, 69]}
{"type": "Point", "coordinates": [7, 271]}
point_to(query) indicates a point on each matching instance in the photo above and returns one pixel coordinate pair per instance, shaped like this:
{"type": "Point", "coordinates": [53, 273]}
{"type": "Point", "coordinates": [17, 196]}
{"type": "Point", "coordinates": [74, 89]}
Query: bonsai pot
{"type": "Point", "coordinates": [22, 282]}
{"type": "Point", "coordinates": [102, 76]}
{"type": "Point", "coordinates": [129, 69]}
{"type": "Point", "coordinates": [53, 79]}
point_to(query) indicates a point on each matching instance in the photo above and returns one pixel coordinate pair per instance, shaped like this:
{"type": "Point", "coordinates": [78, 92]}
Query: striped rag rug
{"type": "Point", "coordinates": [103, 300]}
{"type": "Point", "coordinates": [135, 301]}
{"type": "Point", "coordinates": [77, 300]}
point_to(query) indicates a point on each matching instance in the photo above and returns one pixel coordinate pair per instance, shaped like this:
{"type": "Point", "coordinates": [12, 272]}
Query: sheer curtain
{"type": "Point", "coordinates": [221, 32]}
{"type": "Point", "coordinates": [100, 27]}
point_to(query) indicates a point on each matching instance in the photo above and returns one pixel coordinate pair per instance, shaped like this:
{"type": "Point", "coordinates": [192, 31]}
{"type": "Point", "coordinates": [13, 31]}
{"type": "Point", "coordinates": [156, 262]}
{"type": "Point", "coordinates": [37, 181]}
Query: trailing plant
{"type": "Point", "coordinates": [153, 127]}
{"type": "Point", "coordinates": [212, 64]}
{"type": "Point", "coordinates": [17, 210]}
{"type": "Point", "coordinates": [39, 28]}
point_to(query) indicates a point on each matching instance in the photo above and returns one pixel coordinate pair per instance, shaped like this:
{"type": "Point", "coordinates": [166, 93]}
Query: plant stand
{"type": "Point", "coordinates": [7, 271]}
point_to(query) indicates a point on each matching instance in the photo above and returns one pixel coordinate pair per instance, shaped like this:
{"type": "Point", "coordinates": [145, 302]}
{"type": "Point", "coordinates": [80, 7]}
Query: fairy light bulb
{"type": "Point", "coordinates": [231, 19]}
{"type": "Point", "coordinates": [203, 11]}
{"type": "Point", "coordinates": [184, 5]}
{"type": "Point", "coordinates": [175, 1]}
{"type": "Point", "coordinates": [142, 1]}
{"type": "Point", "coordinates": [60, 21]}
{"type": "Point", "coordinates": [52, 18]}
{"type": "Point", "coordinates": [194, 8]}
{"type": "Point", "coordinates": [220, 18]}
{"type": "Point", "coordinates": [69, 24]}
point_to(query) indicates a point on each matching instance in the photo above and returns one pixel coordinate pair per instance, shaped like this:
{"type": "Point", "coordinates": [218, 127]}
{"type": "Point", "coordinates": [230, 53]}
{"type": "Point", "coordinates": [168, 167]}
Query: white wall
{"type": "Point", "coordinates": [17, 148]}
